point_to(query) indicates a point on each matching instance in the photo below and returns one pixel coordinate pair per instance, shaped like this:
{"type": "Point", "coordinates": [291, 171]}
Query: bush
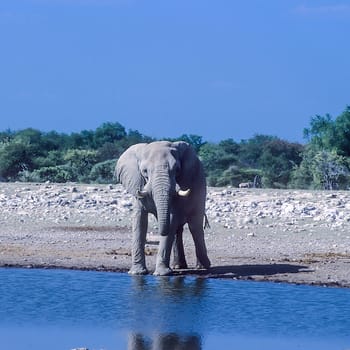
{"type": "Point", "coordinates": [235, 175]}
{"type": "Point", "coordinates": [103, 172]}
{"type": "Point", "coordinates": [61, 173]}
{"type": "Point", "coordinates": [321, 170]}
{"type": "Point", "coordinates": [14, 157]}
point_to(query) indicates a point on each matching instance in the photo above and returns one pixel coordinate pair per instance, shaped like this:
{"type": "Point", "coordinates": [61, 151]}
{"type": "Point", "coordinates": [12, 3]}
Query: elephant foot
{"type": "Point", "coordinates": [162, 270]}
{"type": "Point", "coordinates": [180, 266]}
{"type": "Point", "coordinates": [203, 264]}
{"type": "Point", "coordinates": [138, 270]}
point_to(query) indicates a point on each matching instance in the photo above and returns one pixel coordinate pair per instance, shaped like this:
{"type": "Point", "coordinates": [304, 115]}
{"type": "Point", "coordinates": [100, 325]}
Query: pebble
{"type": "Point", "coordinates": [294, 210]}
{"type": "Point", "coordinates": [231, 208]}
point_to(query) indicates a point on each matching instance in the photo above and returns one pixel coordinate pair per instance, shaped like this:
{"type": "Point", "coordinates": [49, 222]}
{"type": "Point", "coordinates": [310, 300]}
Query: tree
{"type": "Point", "coordinates": [194, 140]}
{"type": "Point", "coordinates": [15, 156]}
{"type": "Point", "coordinates": [53, 141]}
{"type": "Point", "coordinates": [33, 139]}
{"type": "Point", "coordinates": [277, 161]}
{"type": "Point", "coordinates": [230, 146]}
{"type": "Point", "coordinates": [109, 132]}
{"type": "Point", "coordinates": [325, 133]}
{"type": "Point", "coordinates": [30, 136]}
{"type": "Point", "coordinates": [52, 158]}
{"type": "Point", "coordinates": [103, 172]}
{"type": "Point", "coordinates": [135, 137]}
{"type": "Point", "coordinates": [321, 133]}
{"type": "Point", "coordinates": [110, 151]}
{"type": "Point", "coordinates": [328, 167]}
{"type": "Point", "coordinates": [82, 140]}
{"type": "Point", "coordinates": [325, 157]}
{"type": "Point", "coordinates": [250, 150]}
{"type": "Point", "coordinates": [81, 162]}
{"type": "Point", "coordinates": [321, 170]}
{"type": "Point", "coordinates": [342, 133]}
{"type": "Point", "coordinates": [215, 160]}
{"type": "Point", "coordinates": [301, 175]}
{"type": "Point", "coordinates": [6, 136]}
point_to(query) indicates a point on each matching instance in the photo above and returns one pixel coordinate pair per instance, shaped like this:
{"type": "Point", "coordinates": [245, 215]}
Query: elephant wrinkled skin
{"type": "Point", "coordinates": [168, 181]}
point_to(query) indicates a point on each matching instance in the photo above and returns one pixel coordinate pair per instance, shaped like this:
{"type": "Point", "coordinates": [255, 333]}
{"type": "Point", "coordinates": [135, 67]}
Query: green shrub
{"type": "Point", "coordinates": [61, 173]}
{"type": "Point", "coordinates": [103, 172]}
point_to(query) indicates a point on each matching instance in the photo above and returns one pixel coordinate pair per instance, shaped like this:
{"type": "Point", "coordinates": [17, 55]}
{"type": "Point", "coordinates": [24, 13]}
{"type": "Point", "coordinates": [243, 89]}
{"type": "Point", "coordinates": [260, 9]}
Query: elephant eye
{"type": "Point", "coordinates": [144, 173]}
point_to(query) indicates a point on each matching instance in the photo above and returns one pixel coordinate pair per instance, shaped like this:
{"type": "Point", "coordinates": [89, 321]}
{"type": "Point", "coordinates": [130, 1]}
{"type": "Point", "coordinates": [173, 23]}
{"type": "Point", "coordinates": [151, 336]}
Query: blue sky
{"type": "Point", "coordinates": [219, 69]}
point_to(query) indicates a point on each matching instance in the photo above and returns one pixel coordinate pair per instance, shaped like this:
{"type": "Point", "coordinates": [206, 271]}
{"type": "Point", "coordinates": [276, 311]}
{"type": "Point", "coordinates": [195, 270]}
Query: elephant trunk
{"type": "Point", "coordinates": [161, 195]}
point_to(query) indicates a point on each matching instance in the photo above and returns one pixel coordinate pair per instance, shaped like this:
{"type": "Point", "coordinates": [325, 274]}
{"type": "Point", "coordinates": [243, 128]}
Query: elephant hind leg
{"type": "Point", "coordinates": [179, 260]}
{"type": "Point", "coordinates": [197, 231]}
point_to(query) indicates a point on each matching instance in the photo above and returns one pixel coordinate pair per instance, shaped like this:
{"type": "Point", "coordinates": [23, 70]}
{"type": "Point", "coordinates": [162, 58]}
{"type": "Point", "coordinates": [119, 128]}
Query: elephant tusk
{"type": "Point", "coordinates": [141, 194]}
{"type": "Point", "coordinates": [184, 193]}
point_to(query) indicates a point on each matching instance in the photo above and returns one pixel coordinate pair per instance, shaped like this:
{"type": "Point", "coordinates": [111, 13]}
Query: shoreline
{"type": "Point", "coordinates": [283, 236]}
{"type": "Point", "coordinates": [183, 273]}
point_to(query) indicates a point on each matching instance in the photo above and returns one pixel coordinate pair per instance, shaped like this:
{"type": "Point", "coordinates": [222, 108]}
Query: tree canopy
{"type": "Point", "coordinates": [90, 155]}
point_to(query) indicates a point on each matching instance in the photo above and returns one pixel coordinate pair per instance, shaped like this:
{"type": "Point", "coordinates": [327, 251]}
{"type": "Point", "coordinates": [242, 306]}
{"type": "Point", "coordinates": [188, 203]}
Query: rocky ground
{"type": "Point", "coordinates": [276, 235]}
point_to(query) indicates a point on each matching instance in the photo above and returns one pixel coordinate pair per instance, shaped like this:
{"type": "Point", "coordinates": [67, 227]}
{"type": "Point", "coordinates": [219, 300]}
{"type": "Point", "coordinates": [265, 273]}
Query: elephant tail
{"type": "Point", "coordinates": [206, 222]}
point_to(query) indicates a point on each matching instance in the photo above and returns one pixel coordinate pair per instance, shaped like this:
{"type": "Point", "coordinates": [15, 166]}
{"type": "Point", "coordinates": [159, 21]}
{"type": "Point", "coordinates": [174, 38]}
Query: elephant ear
{"type": "Point", "coordinates": [127, 170]}
{"type": "Point", "coordinates": [190, 165]}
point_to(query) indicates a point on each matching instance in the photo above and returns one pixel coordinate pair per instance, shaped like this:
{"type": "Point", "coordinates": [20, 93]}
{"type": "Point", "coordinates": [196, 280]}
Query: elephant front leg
{"type": "Point", "coordinates": [163, 256]}
{"type": "Point", "coordinates": [140, 223]}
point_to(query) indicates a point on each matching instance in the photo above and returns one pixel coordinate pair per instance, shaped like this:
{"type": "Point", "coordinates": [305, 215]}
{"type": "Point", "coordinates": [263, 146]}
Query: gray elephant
{"type": "Point", "coordinates": [168, 181]}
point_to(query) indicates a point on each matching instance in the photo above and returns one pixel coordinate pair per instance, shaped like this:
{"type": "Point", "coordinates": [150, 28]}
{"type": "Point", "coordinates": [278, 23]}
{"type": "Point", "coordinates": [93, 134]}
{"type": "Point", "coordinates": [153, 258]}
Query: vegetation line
{"type": "Point", "coordinates": [323, 162]}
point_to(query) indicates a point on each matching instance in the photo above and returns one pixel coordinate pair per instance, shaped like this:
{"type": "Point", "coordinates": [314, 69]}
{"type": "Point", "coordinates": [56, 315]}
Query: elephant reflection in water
{"type": "Point", "coordinates": [145, 294]}
{"type": "Point", "coordinates": [170, 341]}
{"type": "Point", "coordinates": [166, 286]}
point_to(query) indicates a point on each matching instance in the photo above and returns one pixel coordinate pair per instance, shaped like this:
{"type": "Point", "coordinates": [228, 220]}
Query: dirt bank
{"type": "Point", "coordinates": [274, 235]}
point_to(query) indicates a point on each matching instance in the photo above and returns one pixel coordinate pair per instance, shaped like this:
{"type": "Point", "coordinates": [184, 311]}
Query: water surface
{"type": "Point", "coordinates": [63, 309]}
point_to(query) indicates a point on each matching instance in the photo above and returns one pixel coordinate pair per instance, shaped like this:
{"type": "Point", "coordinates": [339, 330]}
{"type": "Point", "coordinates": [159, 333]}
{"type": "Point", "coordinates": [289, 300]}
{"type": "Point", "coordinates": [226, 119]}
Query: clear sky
{"type": "Point", "coordinates": [220, 68]}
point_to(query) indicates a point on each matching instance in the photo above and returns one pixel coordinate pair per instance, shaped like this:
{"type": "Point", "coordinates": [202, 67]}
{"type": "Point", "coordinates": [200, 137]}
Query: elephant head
{"type": "Point", "coordinates": [156, 173]}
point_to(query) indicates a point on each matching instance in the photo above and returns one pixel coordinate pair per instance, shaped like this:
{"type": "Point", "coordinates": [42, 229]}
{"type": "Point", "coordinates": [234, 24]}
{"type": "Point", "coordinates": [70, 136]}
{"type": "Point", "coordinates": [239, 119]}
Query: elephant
{"type": "Point", "coordinates": [167, 180]}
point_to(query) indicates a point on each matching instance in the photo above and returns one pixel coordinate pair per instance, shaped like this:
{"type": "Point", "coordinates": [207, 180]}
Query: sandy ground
{"type": "Point", "coordinates": [270, 235]}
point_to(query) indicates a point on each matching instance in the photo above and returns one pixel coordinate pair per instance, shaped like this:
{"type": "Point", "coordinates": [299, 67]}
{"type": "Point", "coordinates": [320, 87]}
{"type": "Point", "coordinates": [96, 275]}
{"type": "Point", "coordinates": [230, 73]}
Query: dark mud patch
{"type": "Point", "coordinates": [149, 251]}
{"type": "Point", "coordinates": [88, 228]}
{"type": "Point", "coordinates": [325, 257]}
